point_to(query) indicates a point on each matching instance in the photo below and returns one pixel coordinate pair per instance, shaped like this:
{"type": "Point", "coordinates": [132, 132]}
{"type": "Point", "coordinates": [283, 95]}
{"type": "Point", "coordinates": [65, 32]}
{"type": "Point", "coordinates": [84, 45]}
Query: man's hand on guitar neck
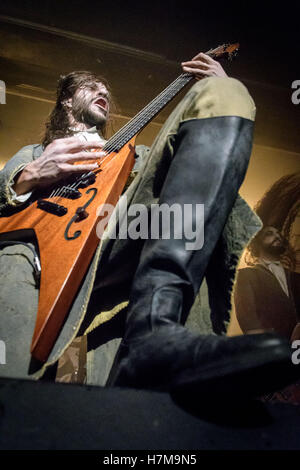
{"type": "Point", "coordinates": [202, 65]}
{"type": "Point", "coordinates": [56, 163]}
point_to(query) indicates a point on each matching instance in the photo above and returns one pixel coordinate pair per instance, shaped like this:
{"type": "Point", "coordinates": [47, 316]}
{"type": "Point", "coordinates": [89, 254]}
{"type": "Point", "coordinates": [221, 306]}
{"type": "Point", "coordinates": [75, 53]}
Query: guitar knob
{"type": "Point", "coordinates": [81, 214]}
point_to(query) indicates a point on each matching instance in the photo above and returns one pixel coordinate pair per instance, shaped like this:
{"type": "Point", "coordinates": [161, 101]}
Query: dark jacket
{"type": "Point", "coordinates": [261, 303]}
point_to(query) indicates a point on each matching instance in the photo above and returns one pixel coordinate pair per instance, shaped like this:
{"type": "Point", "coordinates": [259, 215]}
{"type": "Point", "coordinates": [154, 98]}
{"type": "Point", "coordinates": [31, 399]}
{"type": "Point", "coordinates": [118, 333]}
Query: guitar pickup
{"type": "Point", "coordinates": [51, 207]}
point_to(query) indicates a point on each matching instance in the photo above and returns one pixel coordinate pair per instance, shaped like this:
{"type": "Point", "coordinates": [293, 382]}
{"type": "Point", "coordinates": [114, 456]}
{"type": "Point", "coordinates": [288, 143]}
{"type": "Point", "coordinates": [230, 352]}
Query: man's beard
{"type": "Point", "coordinates": [276, 250]}
{"type": "Point", "coordinates": [82, 112]}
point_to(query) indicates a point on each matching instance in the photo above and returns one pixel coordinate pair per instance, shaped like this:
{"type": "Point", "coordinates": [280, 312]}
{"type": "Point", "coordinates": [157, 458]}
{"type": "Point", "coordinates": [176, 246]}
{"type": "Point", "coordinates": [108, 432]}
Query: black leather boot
{"type": "Point", "coordinates": [157, 352]}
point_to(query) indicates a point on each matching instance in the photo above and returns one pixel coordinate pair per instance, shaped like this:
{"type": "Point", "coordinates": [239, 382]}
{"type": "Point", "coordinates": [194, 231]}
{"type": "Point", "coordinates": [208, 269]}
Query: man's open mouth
{"type": "Point", "coordinates": [101, 103]}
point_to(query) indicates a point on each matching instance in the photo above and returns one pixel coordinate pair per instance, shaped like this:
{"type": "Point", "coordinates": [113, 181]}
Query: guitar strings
{"type": "Point", "coordinates": [133, 126]}
{"type": "Point", "coordinates": [130, 128]}
{"type": "Point", "coordinates": [117, 139]}
{"type": "Point", "coordinates": [185, 76]}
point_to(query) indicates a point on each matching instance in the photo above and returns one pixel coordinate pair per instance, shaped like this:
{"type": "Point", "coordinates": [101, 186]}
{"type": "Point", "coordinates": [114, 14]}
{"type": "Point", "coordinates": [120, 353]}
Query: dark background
{"type": "Point", "coordinates": [268, 34]}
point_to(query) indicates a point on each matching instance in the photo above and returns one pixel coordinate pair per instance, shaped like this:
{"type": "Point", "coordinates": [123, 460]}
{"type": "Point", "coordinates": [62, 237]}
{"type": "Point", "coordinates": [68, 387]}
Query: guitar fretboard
{"type": "Point", "coordinates": [118, 140]}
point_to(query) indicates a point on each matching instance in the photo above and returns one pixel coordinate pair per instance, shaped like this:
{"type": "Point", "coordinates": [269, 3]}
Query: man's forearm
{"type": "Point", "coordinates": [25, 181]}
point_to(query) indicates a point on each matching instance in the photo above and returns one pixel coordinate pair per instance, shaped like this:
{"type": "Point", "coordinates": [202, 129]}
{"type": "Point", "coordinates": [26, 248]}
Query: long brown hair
{"type": "Point", "coordinates": [57, 125]}
{"type": "Point", "coordinates": [278, 208]}
{"type": "Point", "coordinates": [253, 251]}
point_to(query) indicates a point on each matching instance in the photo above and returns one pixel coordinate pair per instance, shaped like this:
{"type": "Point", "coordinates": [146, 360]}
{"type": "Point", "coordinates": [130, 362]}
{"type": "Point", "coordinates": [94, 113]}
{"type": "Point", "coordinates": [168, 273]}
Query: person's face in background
{"type": "Point", "coordinates": [272, 242]}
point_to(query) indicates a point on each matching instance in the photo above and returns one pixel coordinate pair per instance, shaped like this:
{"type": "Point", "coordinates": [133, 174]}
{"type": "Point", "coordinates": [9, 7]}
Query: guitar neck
{"type": "Point", "coordinates": [136, 124]}
{"type": "Point", "coordinates": [117, 141]}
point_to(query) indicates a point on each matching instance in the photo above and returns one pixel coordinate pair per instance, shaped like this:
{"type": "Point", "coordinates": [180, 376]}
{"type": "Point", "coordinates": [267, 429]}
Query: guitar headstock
{"type": "Point", "coordinates": [228, 51]}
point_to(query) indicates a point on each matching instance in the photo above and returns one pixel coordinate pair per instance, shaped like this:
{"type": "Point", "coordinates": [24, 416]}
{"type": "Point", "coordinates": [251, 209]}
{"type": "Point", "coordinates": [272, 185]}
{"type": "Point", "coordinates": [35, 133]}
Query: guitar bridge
{"type": "Point", "coordinates": [70, 193]}
{"type": "Point", "coordinates": [87, 179]}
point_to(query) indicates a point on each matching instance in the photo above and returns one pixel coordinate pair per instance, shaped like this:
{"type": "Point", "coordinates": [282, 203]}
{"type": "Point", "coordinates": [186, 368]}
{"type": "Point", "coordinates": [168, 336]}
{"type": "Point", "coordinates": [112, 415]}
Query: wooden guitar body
{"type": "Point", "coordinates": [66, 247]}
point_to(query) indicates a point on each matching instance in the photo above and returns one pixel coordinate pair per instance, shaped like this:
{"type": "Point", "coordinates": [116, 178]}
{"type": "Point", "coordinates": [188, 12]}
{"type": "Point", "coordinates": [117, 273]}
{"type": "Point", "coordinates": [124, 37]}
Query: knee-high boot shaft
{"type": "Point", "coordinates": [208, 167]}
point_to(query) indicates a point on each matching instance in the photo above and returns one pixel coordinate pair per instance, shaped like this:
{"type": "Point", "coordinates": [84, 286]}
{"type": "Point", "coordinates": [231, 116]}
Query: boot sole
{"type": "Point", "coordinates": [251, 376]}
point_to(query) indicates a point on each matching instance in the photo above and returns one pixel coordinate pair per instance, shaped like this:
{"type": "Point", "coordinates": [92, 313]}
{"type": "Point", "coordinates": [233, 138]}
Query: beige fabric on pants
{"type": "Point", "coordinates": [218, 96]}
